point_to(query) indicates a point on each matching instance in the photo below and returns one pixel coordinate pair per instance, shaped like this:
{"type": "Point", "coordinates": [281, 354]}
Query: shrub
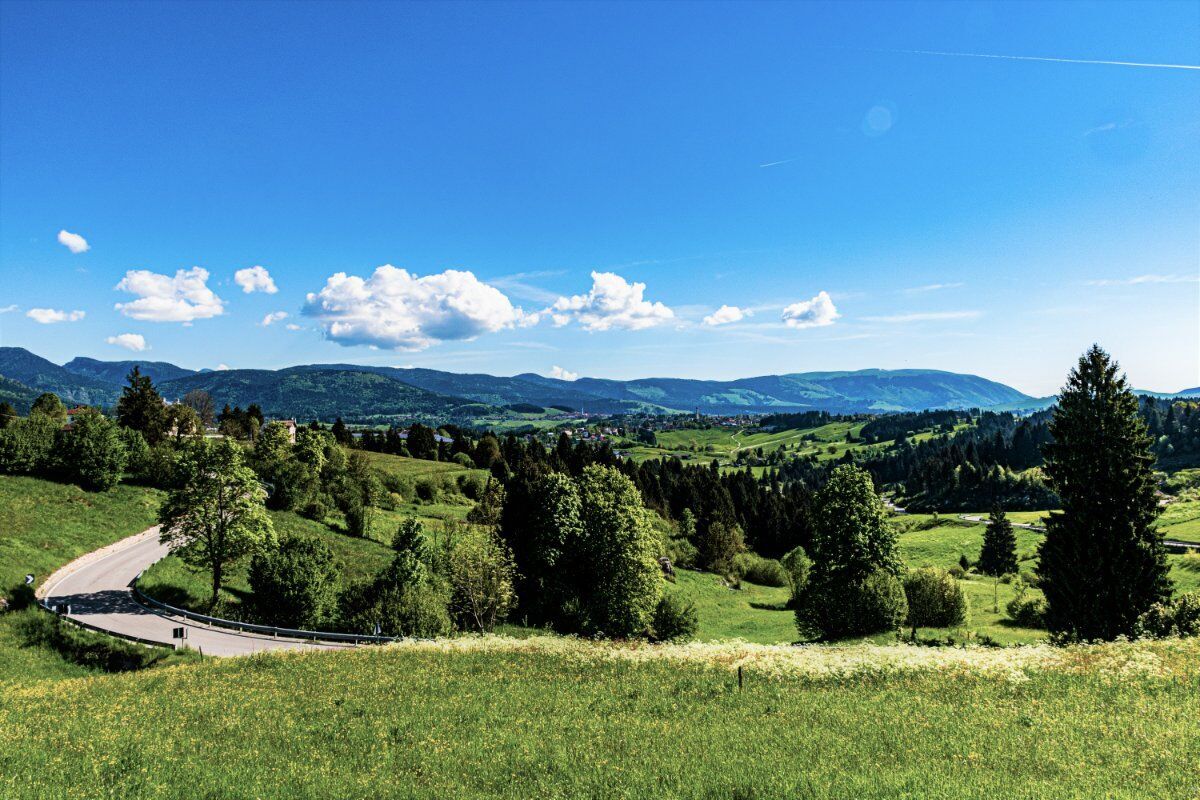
{"type": "Point", "coordinates": [481, 573]}
{"type": "Point", "coordinates": [471, 487]}
{"type": "Point", "coordinates": [295, 586]}
{"type": "Point", "coordinates": [1028, 612]}
{"type": "Point", "coordinates": [675, 619]}
{"type": "Point", "coordinates": [935, 600]}
{"type": "Point", "coordinates": [763, 571]}
{"type": "Point", "coordinates": [798, 566]}
{"type": "Point", "coordinates": [394, 483]}
{"type": "Point", "coordinates": [464, 460]}
{"type": "Point", "coordinates": [873, 605]}
{"type": "Point", "coordinates": [427, 491]}
{"type": "Point", "coordinates": [682, 552]}
{"type": "Point", "coordinates": [1178, 617]}
{"type": "Point", "coordinates": [956, 572]}
{"type": "Point", "coordinates": [84, 647]}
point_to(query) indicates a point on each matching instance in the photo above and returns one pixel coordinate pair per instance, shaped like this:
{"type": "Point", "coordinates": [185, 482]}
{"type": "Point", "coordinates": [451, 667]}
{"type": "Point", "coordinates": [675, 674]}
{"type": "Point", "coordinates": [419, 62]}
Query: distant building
{"type": "Point", "coordinates": [290, 425]}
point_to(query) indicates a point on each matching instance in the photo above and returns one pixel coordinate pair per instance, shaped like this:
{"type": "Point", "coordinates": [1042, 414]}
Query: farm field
{"type": "Point", "coordinates": [569, 719]}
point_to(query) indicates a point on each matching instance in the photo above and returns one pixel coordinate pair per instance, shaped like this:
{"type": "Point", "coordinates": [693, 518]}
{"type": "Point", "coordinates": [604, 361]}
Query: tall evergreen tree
{"type": "Point", "coordinates": [999, 553]}
{"type": "Point", "coordinates": [1102, 562]}
{"type": "Point", "coordinates": [141, 407]}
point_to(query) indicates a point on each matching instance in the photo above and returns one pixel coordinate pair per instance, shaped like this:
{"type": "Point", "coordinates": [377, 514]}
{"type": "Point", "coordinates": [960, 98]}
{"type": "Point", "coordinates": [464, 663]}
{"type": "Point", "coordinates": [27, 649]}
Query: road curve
{"type": "Point", "coordinates": [97, 588]}
{"type": "Point", "coordinates": [1039, 528]}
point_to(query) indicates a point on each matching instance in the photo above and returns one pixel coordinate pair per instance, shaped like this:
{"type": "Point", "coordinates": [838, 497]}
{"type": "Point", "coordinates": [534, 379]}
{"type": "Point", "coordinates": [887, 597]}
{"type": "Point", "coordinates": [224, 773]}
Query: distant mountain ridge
{"type": "Point", "coordinates": [364, 393]}
{"type": "Point", "coordinates": [116, 371]}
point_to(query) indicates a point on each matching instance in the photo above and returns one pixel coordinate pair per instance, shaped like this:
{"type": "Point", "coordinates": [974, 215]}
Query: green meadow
{"type": "Point", "coordinates": [561, 718]}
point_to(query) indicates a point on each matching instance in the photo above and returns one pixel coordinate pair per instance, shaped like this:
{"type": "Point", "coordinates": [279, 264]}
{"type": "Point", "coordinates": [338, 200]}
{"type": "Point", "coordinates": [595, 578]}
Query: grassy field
{"type": "Point", "coordinates": [752, 613]}
{"type": "Point", "coordinates": [563, 719]}
{"type": "Point", "coordinates": [1181, 520]}
{"type": "Point", "coordinates": [43, 524]}
{"type": "Point", "coordinates": [418, 467]}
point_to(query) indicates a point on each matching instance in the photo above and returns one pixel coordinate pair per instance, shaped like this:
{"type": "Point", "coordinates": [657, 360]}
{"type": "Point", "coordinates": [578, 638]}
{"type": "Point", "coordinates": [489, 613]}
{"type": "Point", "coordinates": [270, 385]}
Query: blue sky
{"type": "Point", "coordinates": [827, 172]}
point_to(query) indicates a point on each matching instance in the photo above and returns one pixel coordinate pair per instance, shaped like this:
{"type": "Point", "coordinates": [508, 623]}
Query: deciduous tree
{"type": "Point", "coordinates": [216, 515]}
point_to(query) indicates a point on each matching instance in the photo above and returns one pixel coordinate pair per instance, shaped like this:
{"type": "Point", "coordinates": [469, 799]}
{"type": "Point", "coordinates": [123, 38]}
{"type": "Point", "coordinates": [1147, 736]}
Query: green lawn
{"type": "Point", "coordinates": [562, 719]}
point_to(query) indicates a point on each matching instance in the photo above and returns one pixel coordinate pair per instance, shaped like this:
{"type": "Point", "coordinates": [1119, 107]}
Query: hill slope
{"type": "Point", "coordinates": [115, 371]}
{"type": "Point", "coordinates": [35, 372]}
{"type": "Point", "coordinates": [344, 389]}
{"type": "Point", "coordinates": [322, 394]}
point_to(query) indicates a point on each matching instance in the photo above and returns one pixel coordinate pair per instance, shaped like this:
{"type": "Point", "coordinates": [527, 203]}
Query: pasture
{"type": "Point", "coordinates": [552, 717]}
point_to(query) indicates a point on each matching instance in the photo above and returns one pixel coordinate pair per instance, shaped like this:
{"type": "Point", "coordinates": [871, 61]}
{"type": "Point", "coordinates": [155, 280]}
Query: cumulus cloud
{"type": "Point", "coordinates": [612, 302]}
{"type": "Point", "coordinates": [814, 313]}
{"type": "Point", "coordinates": [274, 316]}
{"type": "Point", "coordinates": [563, 374]}
{"type": "Point", "coordinates": [162, 298]}
{"type": "Point", "coordinates": [48, 316]}
{"type": "Point", "coordinates": [291, 326]}
{"type": "Point", "coordinates": [396, 309]}
{"type": "Point", "coordinates": [255, 279]}
{"type": "Point", "coordinates": [222, 367]}
{"type": "Point", "coordinates": [130, 341]}
{"type": "Point", "coordinates": [924, 316]}
{"type": "Point", "coordinates": [9, 309]}
{"type": "Point", "coordinates": [724, 315]}
{"type": "Point", "coordinates": [73, 242]}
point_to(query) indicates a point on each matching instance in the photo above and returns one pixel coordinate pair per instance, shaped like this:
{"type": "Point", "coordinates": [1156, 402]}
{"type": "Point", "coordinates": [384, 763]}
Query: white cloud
{"type": "Point", "coordinates": [1139, 279]}
{"type": "Point", "coordinates": [925, 316]}
{"type": "Point", "coordinates": [130, 341]}
{"type": "Point", "coordinates": [291, 326]}
{"type": "Point", "coordinates": [255, 279]}
{"type": "Point", "coordinates": [396, 309]}
{"type": "Point", "coordinates": [222, 367]}
{"type": "Point", "coordinates": [47, 316]}
{"type": "Point", "coordinates": [161, 298]}
{"type": "Point", "coordinates": [73, 242]}
{"type": "Point", "coordinates": [612, 302]}
{"type": "Point", "coordinates": [934, 287]}
{"type": "Point", "coordinates": [724, 315]}
{"type": "Point", "coordinates": [814, 313]}
{"type": "Point", "coordinates": [9, 309]}
{"type": "Point", "coordinates": [274, 316]}
{"type": "Point", "coordinates": [563, 374]}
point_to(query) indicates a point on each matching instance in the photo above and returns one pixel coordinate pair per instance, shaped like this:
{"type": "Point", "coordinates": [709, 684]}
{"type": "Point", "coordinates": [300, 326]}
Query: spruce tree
{"type": "Point", "coordinates": [141, 407]}
{"type": "Point", "coordinates": [1102, 562]}
{"type": "Point", "coordinates": [999, 553]}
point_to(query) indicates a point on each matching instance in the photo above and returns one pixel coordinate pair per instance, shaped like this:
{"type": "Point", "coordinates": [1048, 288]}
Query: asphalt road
{"type": "Point", "coordinates": [98, 591]}
{"type": "Point", "coordinates": [1168, 542]}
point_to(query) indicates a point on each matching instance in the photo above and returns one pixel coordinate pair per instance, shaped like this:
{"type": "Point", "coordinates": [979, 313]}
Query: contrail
{"type": "Point", "coordinates": [776, 163]}
{"type": "Point", "coordinates": [1044, 58]}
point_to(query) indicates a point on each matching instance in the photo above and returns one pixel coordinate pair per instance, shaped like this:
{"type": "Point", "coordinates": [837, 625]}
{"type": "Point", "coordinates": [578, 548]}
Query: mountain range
{"type": "Point", "coordinates": [366, 393]}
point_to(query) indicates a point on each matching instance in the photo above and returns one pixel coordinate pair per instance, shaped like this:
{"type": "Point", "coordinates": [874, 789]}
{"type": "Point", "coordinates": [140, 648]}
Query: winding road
{"type": "Point", "coordinates": [97, 587]}
{"type": "Point", "coordinates": [982, 519]}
